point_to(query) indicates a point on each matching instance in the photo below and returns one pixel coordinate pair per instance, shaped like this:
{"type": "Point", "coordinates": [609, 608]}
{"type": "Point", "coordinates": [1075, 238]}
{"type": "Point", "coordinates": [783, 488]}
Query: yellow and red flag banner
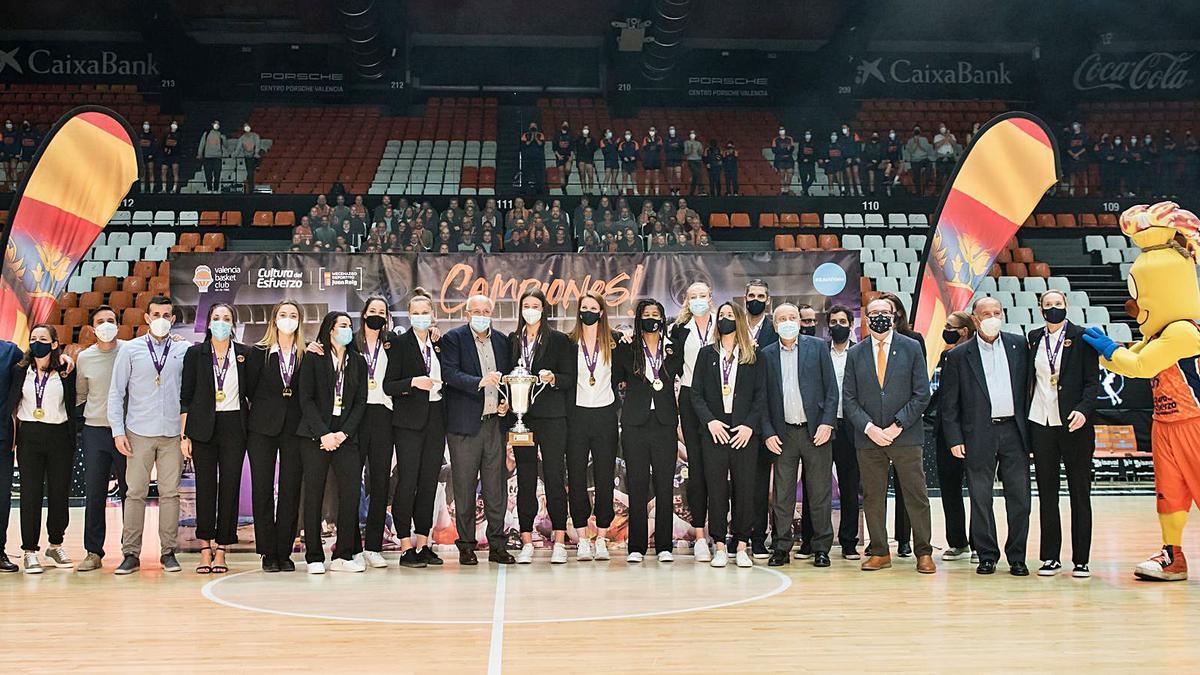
{"type": "Point", "coordinates": [999, 181]}
{"type": "Point", "coordinates": [74, 185]}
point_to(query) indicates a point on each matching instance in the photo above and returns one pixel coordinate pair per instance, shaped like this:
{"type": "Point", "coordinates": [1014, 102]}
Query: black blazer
{"type": "Point", "coordinates": [317, 382]}
{"type": "Point", "coordinates": [16, 391]}
{"type": "Point", "coordinates": [410, 405]}
{"type": "Point", "coordinates": [460, 372]}
{"type": "Point", "coordinates": [966, 407]}
{"type": "Point", "coordinates": [638, 391]}
{"type": "Point", "coordinates": [556, 354]}
{"type": "Point", "coordinates": [571, 392]}
{"type": "Point", "coordinates": [1079, 372]}
{"type": "Point", "coordinates": [818, 385]}
{"type": "Point", "coordinates": [749, 392]}
{"type": "Point", "coordinates": [270, 413]}
{"type": "Point", "coordinates": [198, 391]}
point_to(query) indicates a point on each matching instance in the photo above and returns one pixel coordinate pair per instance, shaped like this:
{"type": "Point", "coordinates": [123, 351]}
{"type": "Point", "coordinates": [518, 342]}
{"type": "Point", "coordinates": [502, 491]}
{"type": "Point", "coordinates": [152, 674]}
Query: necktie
{"type": "Point", "coordinates": [881, 362]}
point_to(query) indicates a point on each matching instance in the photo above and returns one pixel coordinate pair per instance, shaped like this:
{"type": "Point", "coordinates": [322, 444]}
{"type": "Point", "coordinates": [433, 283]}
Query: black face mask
{"type": "Point", "coordinates": [808, 330]}
{"type": "Point", "coordinates": [375, 322]}
{"type": "Point", "coordinates": [756, 307]}
{"type": "Point", "coordinates": [589, 318]}
{"type": "Point", "coordinates": [950, 335]}
{"type": "Point", "coordinates": [839, 333]}
{"type": "Point", "coordinates": [40, 349]}
{"type": "Point", "coordinates": [880, 323]}
{"type": "Point", "coordinates": [651, 325]}
{"type": "Point", "coordinates": [1054, 314]}
{"type": "Point", "coordinates": [726, 326]}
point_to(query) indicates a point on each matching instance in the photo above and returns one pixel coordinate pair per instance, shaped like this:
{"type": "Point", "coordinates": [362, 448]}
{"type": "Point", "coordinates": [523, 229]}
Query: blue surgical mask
{"type": "Point", "coordinates": [698, 305]}
{"type": "Point", "coordinates": [221, 330]}
{"type": "Point", "coordinates": [480, 323]}
{"type": "Point", "coordinates": [343, 335]}
{"type": "Point", "coordinates": [788, 330]}
{"type": "Point", "coordinates": [420, 321]}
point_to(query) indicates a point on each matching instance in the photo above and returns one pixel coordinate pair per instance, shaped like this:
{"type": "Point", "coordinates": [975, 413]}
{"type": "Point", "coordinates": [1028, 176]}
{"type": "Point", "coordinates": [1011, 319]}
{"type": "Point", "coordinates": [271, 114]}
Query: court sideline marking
{"type": "Point", "coordinates": [496, 653]}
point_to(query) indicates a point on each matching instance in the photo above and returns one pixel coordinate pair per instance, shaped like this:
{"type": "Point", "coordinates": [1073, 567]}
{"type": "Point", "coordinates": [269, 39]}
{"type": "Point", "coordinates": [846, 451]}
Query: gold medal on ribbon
{"type": "Point", "coordinates": [726, 390]}
{"type": "Point", "coordinates": [39, 413]}
{"type": "Point", "coordinates": [287, 392]}
{"type": "Point", "coordinates": [592, 380]}
{"type": "Point", "coordinates": [337, 401]}
{"type": "Point", "coordinates": [220, 396]}
{"type": "Point", "coordinates": [371, 383]}
{"type": "Point", "coordinates": [657, 384]}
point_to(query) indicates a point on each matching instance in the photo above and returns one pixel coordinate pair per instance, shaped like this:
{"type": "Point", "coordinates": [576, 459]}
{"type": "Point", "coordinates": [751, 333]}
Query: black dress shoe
{"type": "Point", "coordinates": [904, 550]}
{"type": "Point", "coordinates": [986, 567]}
{"type": "Point", "coordinates": [820, 559]}
{"type": "Point", "coordinates": [501, 556]}
{"type": "Point", "coordinates": [1018, 569]}
{"type": "Point", "coordinates": [429, 557]}
{"type": "Point", "coordinates": [410, 558]}
{"type": "Point", "coordinates": [778, 559]}
{"type": "Point", "coordinates": [269, 564]}
{"type": "Point", "coordinates": [467, 557]}
{"type": "Point", "coordinates": [286, 565]}
{"type": "Point", "coordinates": [758, 550]}
{"type": "Point", "coordinates": [7, 565]}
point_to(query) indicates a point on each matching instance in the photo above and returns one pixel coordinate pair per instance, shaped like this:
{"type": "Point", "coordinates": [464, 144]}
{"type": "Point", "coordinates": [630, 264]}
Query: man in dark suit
{"type": "Point", "coordinates": [884, 393]}
{"type": "Point", "coordinates": [762, 331]}
{"type": "Point", "coordinates": [474, 358]}
{"type": "Point", "coordinates": [985, 401]}
{"type": "Point", "coordinates": [802, 402]}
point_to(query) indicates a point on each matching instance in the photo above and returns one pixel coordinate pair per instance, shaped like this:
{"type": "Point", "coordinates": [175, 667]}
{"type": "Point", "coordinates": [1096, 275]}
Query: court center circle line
{"type": "Point", "coordinates": [207, 591]}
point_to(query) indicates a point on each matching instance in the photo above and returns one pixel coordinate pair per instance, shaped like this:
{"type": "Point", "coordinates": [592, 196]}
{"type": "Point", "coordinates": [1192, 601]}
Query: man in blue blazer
{"type": "Point", "coordinates": [802, 402]}
{"type": "Point", "coordinates": [474, 358]}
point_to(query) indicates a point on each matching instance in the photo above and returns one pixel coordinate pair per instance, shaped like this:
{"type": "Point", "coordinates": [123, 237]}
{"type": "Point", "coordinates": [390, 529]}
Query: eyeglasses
{"type": "Point", "coordinates": [880, 313]}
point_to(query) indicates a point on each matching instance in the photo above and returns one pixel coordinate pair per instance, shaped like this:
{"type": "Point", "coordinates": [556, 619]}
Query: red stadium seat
{"type": "Point", "coordinates": [718, 220]}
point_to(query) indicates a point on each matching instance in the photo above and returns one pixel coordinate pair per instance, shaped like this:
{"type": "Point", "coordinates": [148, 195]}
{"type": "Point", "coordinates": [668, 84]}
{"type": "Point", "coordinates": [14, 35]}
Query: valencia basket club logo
{"type": "Point", "coordinates": [203, 278]}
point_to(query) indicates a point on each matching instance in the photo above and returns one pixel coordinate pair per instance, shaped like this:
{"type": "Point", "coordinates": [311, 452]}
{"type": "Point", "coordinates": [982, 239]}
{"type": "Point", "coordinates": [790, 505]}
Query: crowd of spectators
{"type": "Point", "coordinates": [1129, 165]}
{"type": "Point", "coordinates": [18, 143]}
{"type": "Point", "coordinates": [464, 226]}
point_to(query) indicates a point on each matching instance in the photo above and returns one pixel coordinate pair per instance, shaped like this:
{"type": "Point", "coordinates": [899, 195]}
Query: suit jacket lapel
{"type": "Point", "coordinates": [1015, 375]}
{"type": "Point", "coordinates": [975, 361]}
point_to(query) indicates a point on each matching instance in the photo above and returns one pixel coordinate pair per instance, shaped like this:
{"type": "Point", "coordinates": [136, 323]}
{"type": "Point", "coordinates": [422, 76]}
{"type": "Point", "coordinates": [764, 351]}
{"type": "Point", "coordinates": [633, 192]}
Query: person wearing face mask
{"type": "Point", "coordinates": [533, 159]}
{"type": "Point", "coordinates": [414, 381]}
{"type": "Point", "coordinates": [549, 355]}
{"type": "Point", "coordinates": [783, 148]}
{"type": "Point", "coordinates": [984, 387]}
{"type": "Point", "coordinates": [30, 139]}
{"type": "Point", "coordinates": [585, 155]}
{"type": "Point", "coordinates": [1133, 169]}
{"type": "Point", "coordinates": [808, 156]}
{"type": "Point", "coordinates": [101, 461]}
{"type": "Point", "coordinates": [627, 150]}
{"type": "Point", "coordinates": [918, 154]}
{"type": "Point", "coordinates": [1077, 160]}
{"type": "Point", "coordinates": [852, 153]}
{"type": "Point", "coordinates": [951, 471]}
{"type": "Point", "coordinates": [762, 333]}
{"type": "Point", "coordinates": [609, 150]}
{"type": "Point", "coordinates": [1168, 165]}
{"type": "Point", "coordinates": [1065, 374]}
{"type": "Point", "coordinates": [693, 151]}
{"type": "Point", "coordinates": [890, 164]}
{"type": "Point", "coordinates": [271, 435]}
{"type": "Point", "coordinates": [42, 395]}
{"type": "Point", "coordinates": [872, 159]}
{"type": "Point", "coordinates": [834, 164]}
{"type": "Point", "coordinates": [213, 401]}
{"type": "Point", "coordinates": [1121, 173]}
{"type": "Point", "coordinates": [651, 154]}
{"type": "Point", "coordinates": [10, 153]}
{"type": "Point", "coordinates": [713, 163]}
{"type": "Point", "coordinates": [845, 458]}
{"type": "Point", "coordinates": [673, 149]}
{"type": "Point", "coordinates": [169, 148]}
{"type": "Point", "coordinates": [333, 398]}
{"type": "Point", "coordinates": [885, 390]}
{"type": "Point", "coordinates": [729, 166]}
{"type": "Point", "coordinates": [757, 302]}
{"type": "Point", "coordinates": [564, 153]}
{"type": "Point", "coordinates": [944, 154]}
{"type": "Point", "coordinates": [1106, 157]}
{"type": "Point", "coordinates": [648, 366]}
{"type": "Point", "coordinates": [692, 330]}
{"type": "Point", "coordinates": [474, 358]}
{"type": "Point", "coordinates": [1149, 165]}
{"type": "Point", "coordinates": [209, 152]}
{"type": "Point", "coordinates": [250, 147]}
{"type": "Point", "coordinates": [1191, 158]}
{"type": "Point", "coordinates": [144, 415]}
{"type": "Point", "coordinates": [148, 147]}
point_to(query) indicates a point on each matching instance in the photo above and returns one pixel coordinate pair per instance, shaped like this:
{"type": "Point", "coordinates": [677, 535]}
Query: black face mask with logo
{"type": "Point", "coordinates": [880, 323]}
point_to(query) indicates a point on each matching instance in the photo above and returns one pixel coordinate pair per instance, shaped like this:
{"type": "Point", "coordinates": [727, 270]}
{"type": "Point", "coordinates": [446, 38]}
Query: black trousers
{"type": "Point", "coordinates": [212, 173]}
{"type": "Point", "coordinates": [218, 466]}
{"type": "Point", "coordinates": [731, 180]}
{"type": "Point", "coordinates": [7, 461]}
{"type": "Point", "coordinates": [275, 524]}
{"type": "Point", "coordinates": [650, 451]}
{"type": "Point", "coordinates": [419, 454]}
{"type": "Point", "coordinates": [376, 442]}
{"type": "Point", "coordinates": [550, 436]}
{"type": "Point", "coordinates": [592, 433]}
{"type": "Point", "coordinates": [845, 458]}
{"type": "Point", "coordinates": [1002, 452]}
{"type": "Point", "coordinates": [761, 519]}
{"type": "Point", "coordinates": [101, 462]}
{"type": "Point", "coordinates": [952, 474]}
{"type": "Point", "coordinates": [714, 182]}
{"type": "Point", "coordinates": [1052, 445]}
{"type": "Point", "coordinates": [725, 466]}
{"type": "Point", "coordinates": [347, 469]}
{"type": "Point", "coordinates": [808, 175]}
{"type": "Point", "coordinates": [46, 455]}
{"type": "Point", "coordinates": [697, 481]}
{"type": "Point", "coordinates": [251, 167]}
{"type": "Point", "coordinates": [696, 169]}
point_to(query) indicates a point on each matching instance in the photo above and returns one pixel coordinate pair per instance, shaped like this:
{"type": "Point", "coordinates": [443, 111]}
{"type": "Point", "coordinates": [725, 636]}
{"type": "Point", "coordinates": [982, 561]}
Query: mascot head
{"type": "Point", "coordinates": [1162, 281]}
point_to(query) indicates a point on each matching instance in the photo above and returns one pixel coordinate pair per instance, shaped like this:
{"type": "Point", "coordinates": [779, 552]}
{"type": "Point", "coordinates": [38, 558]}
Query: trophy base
{"type": "Point", "coordinates": [520, 438]}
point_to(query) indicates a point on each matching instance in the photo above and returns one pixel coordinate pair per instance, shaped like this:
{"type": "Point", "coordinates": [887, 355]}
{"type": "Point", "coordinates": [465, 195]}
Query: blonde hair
{"type": "Point", "coordinates": [603, 332]}
{"type": "Point", "coordinates": [686, 314]}
{"type": "Point", "coordinates": [742, 332]}
{"type": "Point", "coordinates": [420, 295]}
{"type": "Point", "coordinates": [270, 339]}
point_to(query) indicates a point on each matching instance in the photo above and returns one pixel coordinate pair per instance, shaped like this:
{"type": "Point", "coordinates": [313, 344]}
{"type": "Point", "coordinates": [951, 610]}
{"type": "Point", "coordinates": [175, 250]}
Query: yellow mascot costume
{"type": "Point", "coordinates": [1163, 285]}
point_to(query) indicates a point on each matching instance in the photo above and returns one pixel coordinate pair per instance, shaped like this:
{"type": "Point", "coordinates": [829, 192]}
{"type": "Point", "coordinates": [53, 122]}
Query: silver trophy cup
{"type": "Point", "coordinates": [521, 389]}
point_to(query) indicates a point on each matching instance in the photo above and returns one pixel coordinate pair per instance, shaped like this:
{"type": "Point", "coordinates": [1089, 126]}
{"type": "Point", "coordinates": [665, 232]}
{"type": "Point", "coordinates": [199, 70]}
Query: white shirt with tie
{"type": "Point", "coordinates": [997, 376]}
{"type": "Point", "coordinates": [887, 349]}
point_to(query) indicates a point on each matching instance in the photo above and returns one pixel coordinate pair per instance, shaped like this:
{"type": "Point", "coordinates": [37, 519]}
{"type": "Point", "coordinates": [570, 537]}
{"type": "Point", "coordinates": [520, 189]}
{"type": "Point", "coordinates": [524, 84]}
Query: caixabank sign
{"type": "Point", "coordinates": [78, 62]}
{"type": "Point", "coordinates": [942, 75]}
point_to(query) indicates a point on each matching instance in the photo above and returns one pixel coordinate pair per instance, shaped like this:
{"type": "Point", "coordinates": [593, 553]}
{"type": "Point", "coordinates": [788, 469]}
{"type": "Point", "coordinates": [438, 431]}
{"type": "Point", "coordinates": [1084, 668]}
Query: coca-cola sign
{"type": "Point", "coordinates": [1152, 72]}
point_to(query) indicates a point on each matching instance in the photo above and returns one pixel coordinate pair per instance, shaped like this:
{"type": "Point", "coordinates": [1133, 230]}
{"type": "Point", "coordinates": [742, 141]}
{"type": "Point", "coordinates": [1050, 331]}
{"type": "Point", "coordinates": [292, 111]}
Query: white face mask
{"type": "Point", "coordinates": [160, 327]}
{"type": "Point", "coordinates": [808, 137]}
{"type": "Point", "coordinates": [846, 130]}
{"type": "Point", "coordinates": [608, 134]}
{"type": "Point", "coordinates": [671, 131]}
{"type": "Point", "coordinates": [286, 325]}
{"type": "Point", "coordinates": [782, 133]}
{"type": "Point", "coordinates": [531, 315]}
{"type": "Point", "coordinates": [991, 326]}
{"type": "Point", "coordinates": [942, 130]}
{"type": "Point", "coordinates": [585, 131]}
{"type": "Point", "coordinates": [833, 138]}
{"type": "Point", "coordinates": [174, 127]}
{"type": "Point", "coordinates": [146, 127]}
{"type": "Point", "coordinates": [651, 133]}
{"type": "Point", "coordinates": [692, 136]}
{"type": "Point", "coordinates": [216, 126]}
{"type": "Point", "coordinates": [106, 332]}
{"type": "Point", "coordinates": [628, 136]}
{"type": "Point", "coordinates": [246, 128]}
{"type": "Point", "coordinates": [891, 135]}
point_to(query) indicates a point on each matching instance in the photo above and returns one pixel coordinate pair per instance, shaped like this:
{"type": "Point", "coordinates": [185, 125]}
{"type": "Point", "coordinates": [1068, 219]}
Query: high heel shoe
{"type": "Point", "coordinates": [205, 567]}
{"type": "Point", "coordinates": [219, 568]}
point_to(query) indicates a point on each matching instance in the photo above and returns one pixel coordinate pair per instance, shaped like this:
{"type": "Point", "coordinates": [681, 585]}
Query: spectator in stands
{"type": "Point", "coordinates": [351, 233]}
{"type": "Point", "coordinates": [835, 165]}
{"type": "Point", "coordinates": [1191, 159]}
{"type": "Point", "coordinates": [209, 152]}
{"type": "Point", "coordinates": [315, 219]}
{"type": "Point", "coordinates": [1120, 174]}
{"type": "Point", "coordinates": [1106, 159]}
{"type": "Point", "coordinates": [713, 165]}
{"type": "Point", "coordinates": [852, 154]}
{"type": "Point", "coordinates": [681, 242]}
{"type": "Point", "coordinates": [341, 245]}
{"type": "Point", "coordinates": [560, 244]}
{"type": "Point", "coordinates": [564, 153]}
{"type": "Point", "coordinates": [1077, 160]}
{"type": "Point", "coordinates": [303, 229]}
{"type": "Point", "coordinates": [872, 159]}
{"type": "Point", "coordinates": [340, 211]}
{"type": "Point", "coordinates": [703, 243]}
{"type": "Point", "coordinates": [517, 212]}
{"type": "Point", "coordinates": [325, 236]}
{"type": "Point", "coordinates": [250, 147]}
{"type": "Point", "coordinates": [625, 220]}
{"type": "Point", "coordinates": [602, 207]}
{"type": "Point", "coordinates": [659, 242]}
{"type": "Point", "coordinates": [693, 152]}
{"type": "Point", "coordinates": [729, 166]}
{"type": "Point", "coordinates": [891, 162]}
{"type": "Point", "coordinates": [517, 226]}
{"type": "Point", "coordinates": [673, 148]}
{"type": "Point", "coordinates": [443, 236]}
{"type": "Point", "coordinates": [1150, 164]}
{"type": "Point", "coordinates": [487, 242]}
{"type": "Point", "coordinates": [643, 216]}
{"type": "Point", "coordinates": [1168, 165]}
{"type": "Point", "coordinates": [944, 155]}
{"type": "Point", "coordinates": [557, 219]}
{"type": "Point", "coordinates": [384, 205]}
{"type": "Point", "coordinates": [652, 156]}
{"type": "Point", "coordinates": [10, 153]}
{"type": "Point", "coordinates": [1133, 172]}
{"type": "Point", "coordinates": [610, 151]}
{"type": "Point", "coordinates": [518, 242]}
{"type": "Point", "coordinates": [588, 235]}
{"type": "Point", "coordinates": [30, 139]}
{"type": "Point", "coordinates": [148, 147]}
{"type": "Point", "coordinates": [358, 209]}
{"type": "Point", "coordinates": [169, 158]}
{"type": "Point", "coordinates": [422, 234]}
{"type": "Point", "coordinates": [533, 159]}
{"type": "Point", "coordinates": [807, 156]}
{"type": "Point", "coordinates": [585, 157]}
{"type": "Point", "coordinates": [783, 149]}
{"type": "Point", "coordinates": [627, 150]}
{"type": "Point", "coordinates": [629, 242]}
{"type": "Point", "coordinates": [918, 153]}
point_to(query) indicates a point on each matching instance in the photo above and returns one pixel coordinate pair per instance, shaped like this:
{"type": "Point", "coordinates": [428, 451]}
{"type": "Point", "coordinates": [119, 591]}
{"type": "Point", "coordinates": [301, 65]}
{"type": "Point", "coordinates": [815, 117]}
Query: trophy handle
{"type": "Point", "coordinates": [537, 390]}
{"type": "Point", "coordinates": [502, 390]}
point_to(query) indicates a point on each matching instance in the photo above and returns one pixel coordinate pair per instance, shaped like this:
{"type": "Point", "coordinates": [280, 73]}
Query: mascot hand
{"type": "Point", "coordinates": [1100, 342]}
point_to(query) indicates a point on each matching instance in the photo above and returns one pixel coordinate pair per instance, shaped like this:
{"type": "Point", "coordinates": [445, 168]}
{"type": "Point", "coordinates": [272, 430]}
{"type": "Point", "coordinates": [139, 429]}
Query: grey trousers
{"type": "Point", "coordinates": [149, 451]}
{"type": "Point", "coordinates": [874, 463]}
{"type": "Point", "coordinates": [1004, 450]}
{"type": "Point", "coordinates": [818, 488]}
{"type": "Point", "coordinates": [479, 460]}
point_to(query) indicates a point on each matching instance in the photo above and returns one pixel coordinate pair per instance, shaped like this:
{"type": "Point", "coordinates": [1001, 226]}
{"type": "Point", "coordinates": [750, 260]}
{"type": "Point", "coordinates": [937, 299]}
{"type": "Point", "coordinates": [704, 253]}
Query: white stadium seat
{"type": "Point", "coordinates": [1119, 332]}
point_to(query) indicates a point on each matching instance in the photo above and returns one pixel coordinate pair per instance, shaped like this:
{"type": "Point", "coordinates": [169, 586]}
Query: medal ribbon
{"type": "Point", "coordinates": [528, 350]}
{"type": "Point", "coordinates": [287, 368]}
{"type": "Point", "coordinates": [727, 366]}
{"type": "Point", "coordinates": [1051, 356]}
{"type": "Point", "coordinates": [159, 364]}
{"type": "Point", "coordinates": [655, 360]}
{"type": "Point", "coordinates": [373, 362]}
{"type": "Point", "coordinates": [590, 360]}
{"type": "Point", "coordinates": [39, 385]}
{"type": "Point", "coordinates": [221, 371]}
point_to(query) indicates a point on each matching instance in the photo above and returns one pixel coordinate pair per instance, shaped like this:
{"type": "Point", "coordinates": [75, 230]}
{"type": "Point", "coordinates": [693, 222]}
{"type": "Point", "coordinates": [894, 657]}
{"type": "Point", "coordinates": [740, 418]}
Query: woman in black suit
{"type": "Point", "coordinates": [271, 436]}
{"type": "Point", "coordinates": [213, 400]}
{"type": "Point", "coordinates": [592, 429]}
{"type": "Point", "coordinates": [333, 396]}
{"type": "Point", "coordinates": [648, 366]}
{"type": "Point", "coordinates": [691, 331]}
{"type": "Point", "coordinates": [42, 396]}
{"type": "Point", "coordinates": [729, 390]}
{"type": "Point", "coordinates": [376, 439]}
{"type": "Point", "coordinates": [1065, 380]}
{"type": "Point", "coordinates": [414, 381]}
{"type": "Point", "coordinates": [549, 355]}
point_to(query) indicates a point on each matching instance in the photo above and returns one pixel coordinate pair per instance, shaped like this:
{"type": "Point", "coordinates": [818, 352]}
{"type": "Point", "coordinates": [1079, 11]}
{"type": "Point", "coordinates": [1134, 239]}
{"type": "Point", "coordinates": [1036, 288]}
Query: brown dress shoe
{"type": "Point", "coordinates": [925, 564]}
{"type": "Point", "coordinates": [877, 562]}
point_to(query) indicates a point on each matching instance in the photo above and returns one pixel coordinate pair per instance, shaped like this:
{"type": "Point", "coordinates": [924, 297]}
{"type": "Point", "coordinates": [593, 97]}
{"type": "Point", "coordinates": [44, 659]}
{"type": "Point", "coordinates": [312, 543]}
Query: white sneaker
{"type": "Point", "coordinates": [634, 557]}
{"type": "Point", "coordinates": [32, 564]}
{"type": "Point", "coordinates": [665, 557]}
{"type": "Point", "coordinates": [584, 550]}
{"type": "Point", "coordinates": [316, 568]}
{"type": "Point", "coordinates": [373, 559]}
{"type": "Point", "coordinates": [360, 559]}
{"type": "Point", "coordinates": [719, 559]}
{"type": "Point", "coordinates": [744, 559]}
{"type": "Point", "coordinates": [701, 552]}
{"type": "Point", "coordinates": [558, 554]}
{"type": "Point", "coordinates": [352, 565]}
{"type": "Point", "coordinates": [56, 556]}
{"type": "Point", "coordinates": [526, 555]}
{"type": "Point", "coordinates": [601, 548]}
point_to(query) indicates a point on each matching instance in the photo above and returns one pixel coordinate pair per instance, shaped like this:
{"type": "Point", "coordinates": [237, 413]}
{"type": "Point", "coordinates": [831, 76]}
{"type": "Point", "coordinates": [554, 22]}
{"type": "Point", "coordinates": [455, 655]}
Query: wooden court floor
{"type": "Point", "coordinates": [612, 617]}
